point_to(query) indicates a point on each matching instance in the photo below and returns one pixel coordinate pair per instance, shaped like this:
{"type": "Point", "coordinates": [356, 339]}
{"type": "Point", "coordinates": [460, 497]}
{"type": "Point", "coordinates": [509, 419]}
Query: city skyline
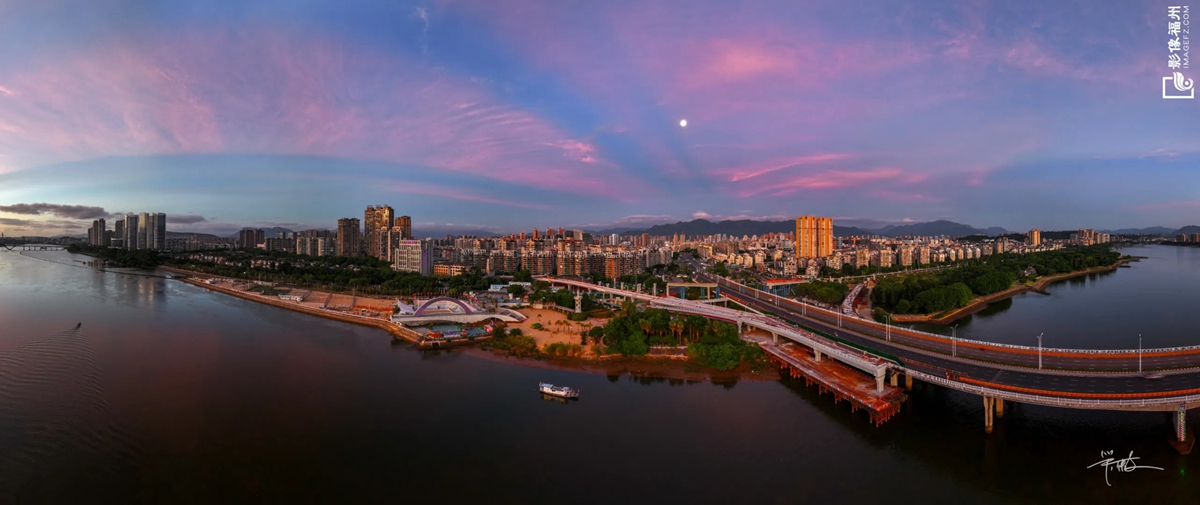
{"type": "Point", "coordinates": [229, 116]}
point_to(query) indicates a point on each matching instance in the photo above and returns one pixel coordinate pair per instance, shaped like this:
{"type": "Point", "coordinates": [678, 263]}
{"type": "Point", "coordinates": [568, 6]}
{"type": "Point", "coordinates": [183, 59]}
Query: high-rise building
{"type": "Point", "coordinates": [405, 225]}
{"type": "Point", "coordinates": [376, 218]}
{"type": "Point", "coordinates": [142, 231]}
{"type": "Point", "coordinates": [1086, 236]}
{"type": "Point", "coordinates": [413, 256]}
{"type": "Point", "coordinates": [96, 235]}
{"type": "Point", "coordinates": [814, 237]}
{"type": "Point", "coordinates": [1034, 237]}
{"type": "Point", "coordinates": [389, 239]}
{"type": "Point", "coordinates": [118, 236]}
{"type": "Point", "coordinates": [156, 231]}
{"type": "Point", "coordinates": [349, 238]}
{"type": "Point", "coordinates": [131, 231]}
{"type": "Point", "coordinates": [250, 238]}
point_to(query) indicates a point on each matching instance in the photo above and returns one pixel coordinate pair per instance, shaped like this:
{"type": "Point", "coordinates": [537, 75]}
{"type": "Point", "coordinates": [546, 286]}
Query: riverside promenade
{"type": "Point", "coordinates": [397, 331]}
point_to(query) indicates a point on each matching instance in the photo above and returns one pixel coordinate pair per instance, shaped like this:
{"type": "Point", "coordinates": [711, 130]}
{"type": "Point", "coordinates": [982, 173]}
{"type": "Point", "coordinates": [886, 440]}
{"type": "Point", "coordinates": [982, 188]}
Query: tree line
{"type": "Point", "coordinates": [714, 344]}
{"type": "Point", "coordinates": [933, 292]}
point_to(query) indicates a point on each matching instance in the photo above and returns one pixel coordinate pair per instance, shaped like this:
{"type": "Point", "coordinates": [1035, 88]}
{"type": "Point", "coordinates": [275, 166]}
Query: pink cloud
{"type": "Point", "coordinates": [899, 196]}
{"type": "Point", "coordinates": [770, 166]}
{"type": "Point", "coordinates": [279, 93]}
{"type": "Point", "coordinates": [460, 194]}
{"type": "Point", "coordinates": [829, 179]}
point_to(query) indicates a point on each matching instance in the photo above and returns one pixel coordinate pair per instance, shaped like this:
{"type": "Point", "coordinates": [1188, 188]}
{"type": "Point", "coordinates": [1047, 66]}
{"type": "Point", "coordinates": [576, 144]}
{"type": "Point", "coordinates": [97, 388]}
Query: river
{"type": "Point", "coordinates": [172, 393]}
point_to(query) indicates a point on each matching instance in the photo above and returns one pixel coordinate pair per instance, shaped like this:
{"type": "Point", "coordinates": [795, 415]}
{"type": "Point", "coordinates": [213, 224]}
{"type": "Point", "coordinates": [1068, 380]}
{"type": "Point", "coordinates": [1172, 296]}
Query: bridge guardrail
{"type": "Point", "coordinates": [962, 341]}
{"type": "Point", "coordinates": [763, 322]}
{"type": "Point", "coordinates": [1056, 401]}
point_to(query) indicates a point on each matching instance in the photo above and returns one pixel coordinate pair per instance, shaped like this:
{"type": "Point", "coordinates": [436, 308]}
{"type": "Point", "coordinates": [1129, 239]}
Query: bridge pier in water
{"type": "Point", "coordinates": [1183, 440]}
{"type": "Point", "coordinates": [988, 403]}
{"type": "Point", "coordinates": [844, 383]}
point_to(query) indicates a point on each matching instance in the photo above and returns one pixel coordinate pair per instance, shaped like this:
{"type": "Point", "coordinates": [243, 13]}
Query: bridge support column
{"type": "Point", "coordinates": [908, 382]}
{"type": "Point", "coordinates": [895, 378]}
{"type": "Point", "coordinates": [1183, 440]}
{"type": "Point", "coordinates": [1000, 408]}
{"type": "Point", "coordinates": [879, 382]}
{"type": "Point", "coordinates": [816, 355]}
{"type": "Point", "coordinates": [987, 414]}
{"type": "Point", "coordinates": [1181, 425]}
{"type": "Point", "coordinates": [774, 338]}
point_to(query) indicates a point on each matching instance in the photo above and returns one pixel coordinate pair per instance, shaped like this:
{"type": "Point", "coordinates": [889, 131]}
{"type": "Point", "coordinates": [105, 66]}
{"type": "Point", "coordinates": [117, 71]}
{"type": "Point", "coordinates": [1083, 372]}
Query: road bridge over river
{"type": "Point", "coordinates": [1068, 378]}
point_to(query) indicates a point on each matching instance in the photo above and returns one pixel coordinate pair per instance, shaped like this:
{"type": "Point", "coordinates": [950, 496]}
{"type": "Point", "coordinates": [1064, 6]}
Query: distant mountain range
{"type": "Point", "coordinates": [188, 234]}
{"type": "Point", "coordinates": [429, 232]}
{"type": "Point", "coordinates": [940, 227]}
{"type": "Point", "coordinates": [735, 227]}
{"type": "Point", "coordinates": [749, 227]}
{"type": "Point", "coordinates": [441, 232]}
{"type": "Point", "coordinates": [1154, 230]}
{"type": "Point", "coordinates": [267, 232]}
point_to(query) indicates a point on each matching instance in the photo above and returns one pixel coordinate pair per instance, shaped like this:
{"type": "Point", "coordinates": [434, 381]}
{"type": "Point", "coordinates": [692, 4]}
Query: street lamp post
{"type": "Point", "coordinates": [954, 341]}
{"type": "Point", "coordinates": [1040, 350]}
{"type": "Point", "coordinates": [888, 327]}
{"type": "Point", "coordinates": [1139, 353]}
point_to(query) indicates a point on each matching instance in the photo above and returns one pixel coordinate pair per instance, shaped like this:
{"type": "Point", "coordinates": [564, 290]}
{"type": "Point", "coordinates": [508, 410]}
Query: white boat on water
{"type": "Point", "coordinates": [560, 391]}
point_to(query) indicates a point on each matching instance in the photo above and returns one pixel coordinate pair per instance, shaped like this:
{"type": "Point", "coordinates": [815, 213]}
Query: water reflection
{"type": "Point", "coordinates": [174, 393]}
{"type": "Point", "coordinates": [1101, 310]}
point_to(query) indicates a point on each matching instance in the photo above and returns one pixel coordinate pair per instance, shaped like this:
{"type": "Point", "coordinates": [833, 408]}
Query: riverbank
{"type": "Point", "coordinates": [384, 324]}
{"type": "Point", "coordinates": [651, 367]}
{"type": "Point", "coordinates": [980, 303]}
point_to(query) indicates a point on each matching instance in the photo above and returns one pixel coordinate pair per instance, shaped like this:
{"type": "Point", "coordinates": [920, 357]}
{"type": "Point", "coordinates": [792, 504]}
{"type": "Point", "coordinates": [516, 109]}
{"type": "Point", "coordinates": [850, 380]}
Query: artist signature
{"type": "Point", "coordinates": [1123, 465]}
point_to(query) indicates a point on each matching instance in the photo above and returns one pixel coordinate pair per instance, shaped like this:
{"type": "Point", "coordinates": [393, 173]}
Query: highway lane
{"type": "Point", "coordinates": [1076, 362]}
{"type": "Point", "coordinates": [937, 364]}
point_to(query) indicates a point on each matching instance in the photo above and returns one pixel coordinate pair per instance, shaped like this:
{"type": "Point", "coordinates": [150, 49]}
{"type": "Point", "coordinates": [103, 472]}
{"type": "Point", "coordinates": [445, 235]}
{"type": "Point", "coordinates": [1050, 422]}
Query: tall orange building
{"type": "Point", "coordinates": [405, 225]}
{"type": "Point", "coordinates": [814, 237]}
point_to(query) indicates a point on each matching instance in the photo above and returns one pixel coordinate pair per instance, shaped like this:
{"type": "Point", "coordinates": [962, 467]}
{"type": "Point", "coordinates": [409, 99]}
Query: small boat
{"type": "Point", "coordinates": [559, 391]}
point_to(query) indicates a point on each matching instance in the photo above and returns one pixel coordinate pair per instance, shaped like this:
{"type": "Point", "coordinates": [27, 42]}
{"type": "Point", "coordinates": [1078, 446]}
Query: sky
{"type": "Point", "coordinates": [506, 115]}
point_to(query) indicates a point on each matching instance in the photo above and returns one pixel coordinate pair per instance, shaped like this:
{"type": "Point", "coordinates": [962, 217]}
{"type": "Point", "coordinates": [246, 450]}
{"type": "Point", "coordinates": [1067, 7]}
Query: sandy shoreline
{"type": "Point", "coordinates": [982, 302]}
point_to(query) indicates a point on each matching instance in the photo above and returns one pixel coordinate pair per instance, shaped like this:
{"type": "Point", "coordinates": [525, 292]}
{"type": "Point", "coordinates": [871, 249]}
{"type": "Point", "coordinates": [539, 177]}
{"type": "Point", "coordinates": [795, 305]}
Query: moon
{"type": "Point", "coordinates": [682, 123]}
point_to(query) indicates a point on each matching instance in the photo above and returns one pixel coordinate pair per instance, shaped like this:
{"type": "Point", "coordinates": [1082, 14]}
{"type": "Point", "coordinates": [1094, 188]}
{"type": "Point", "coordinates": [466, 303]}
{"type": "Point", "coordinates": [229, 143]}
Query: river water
{"type": "Point", "coordinates": [172, 393]}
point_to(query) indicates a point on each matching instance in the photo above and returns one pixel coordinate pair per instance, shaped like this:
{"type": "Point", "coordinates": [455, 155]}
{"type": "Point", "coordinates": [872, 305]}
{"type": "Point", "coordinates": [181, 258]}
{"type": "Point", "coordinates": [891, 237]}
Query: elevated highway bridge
{"type": "Point", "coordinates": [1068, 378]}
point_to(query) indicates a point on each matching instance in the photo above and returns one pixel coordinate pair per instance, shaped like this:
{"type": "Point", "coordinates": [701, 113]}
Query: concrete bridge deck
{"type": "Point", "coordinates": [1006, 376]}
